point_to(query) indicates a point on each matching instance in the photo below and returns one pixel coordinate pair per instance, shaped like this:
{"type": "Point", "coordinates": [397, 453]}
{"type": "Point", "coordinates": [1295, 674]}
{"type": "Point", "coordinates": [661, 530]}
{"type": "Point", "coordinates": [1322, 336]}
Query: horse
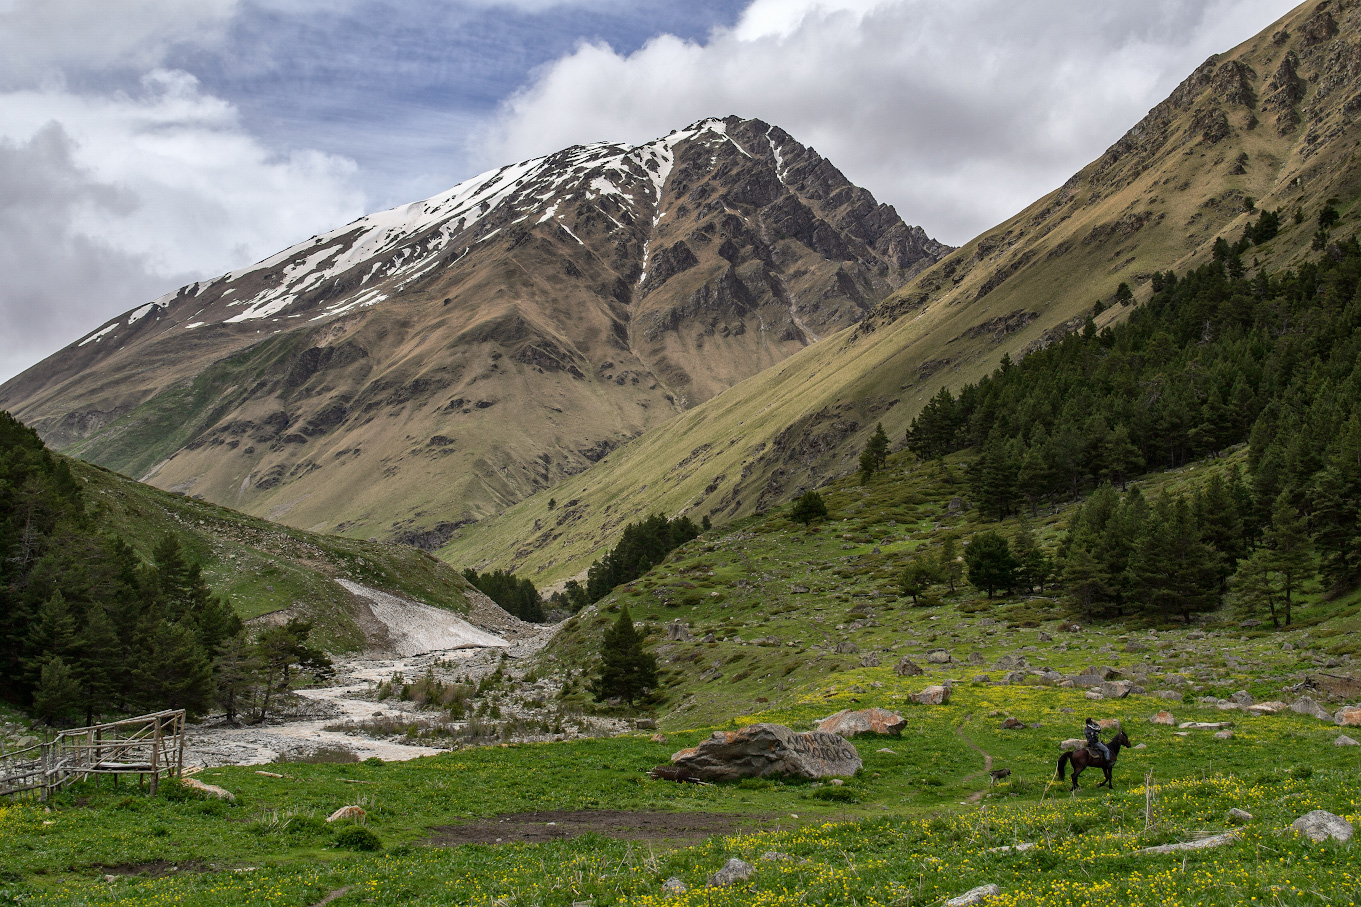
{"type": "Point", "coordinates": [1085, 758]}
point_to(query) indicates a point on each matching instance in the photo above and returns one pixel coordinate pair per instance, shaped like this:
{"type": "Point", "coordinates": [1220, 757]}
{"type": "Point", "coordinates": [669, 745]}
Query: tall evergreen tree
{"type": "Point", "coordinates": [1292, 551]}
{"type": "Point", "coordinates": [874, 455]}
{"type": "Point", "coordinates": [627, 671]}
{"type": "Point", "coordinates": [990, 562]}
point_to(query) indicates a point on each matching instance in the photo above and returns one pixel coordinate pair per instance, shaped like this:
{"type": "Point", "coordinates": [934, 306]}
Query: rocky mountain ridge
{"type": "Point", "coordinates": [425, 366]}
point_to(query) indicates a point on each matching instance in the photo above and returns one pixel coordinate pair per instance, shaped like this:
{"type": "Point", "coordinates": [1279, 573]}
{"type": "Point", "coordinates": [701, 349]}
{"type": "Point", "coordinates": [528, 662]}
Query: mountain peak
{"type": "Point", "coordinates": [487, 340]}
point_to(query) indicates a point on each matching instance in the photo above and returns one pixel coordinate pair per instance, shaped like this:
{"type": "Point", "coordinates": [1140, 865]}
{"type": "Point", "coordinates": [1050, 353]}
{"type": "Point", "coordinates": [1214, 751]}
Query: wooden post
{"type": "Point", "coordinates": [155, 755]}
{"type": "Point", "coordinates": [180, 720]}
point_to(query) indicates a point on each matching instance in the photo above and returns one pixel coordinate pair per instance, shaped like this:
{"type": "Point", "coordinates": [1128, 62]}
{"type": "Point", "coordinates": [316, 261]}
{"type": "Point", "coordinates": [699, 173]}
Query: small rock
{"type": "Point", "coordinates": [1320, 825]}
{"type": "Point", "coordinates": [869, 660]}
{"type": "Point", "coordinates": [1115, 689]}
{"type": "Point", "coordinates": [1344, 740]}
{"type": "Point", "coordinates": [1169, 695]}
{"type": "Point", "coordinates": [1239, 816]}
{"type": "Point", "coordinates": [645, 724]}
{"type": "Point", "coordinates": [1045, 637]}
{"type": "Point", "coordinates": [1163, 718]}
{"type": "Point", "coordinates": [974, 896]}
{"type": "Point", "coordinates": [1071, 744]}
{"type": "Point", "coordinates": [1204, 725]}
{"type": "Point", "coordinates": [1013, 724]}
{"type": "Point", "coordinates": [1093, 694]}
{"type": "Point", "coordinates": [886, 750]}
{"type": "Point", "coordinates": [938, 657]}
{"type": "Point", "coordinates": [1202, 844]}
{"type": "Point", "coordinates": [347, 812]}
{"type": "Point", "coordinates": [658, 738]}
{"type": "Point", "coordinates": [846, 647]}
{"type": "Point", "coordinates": [1243, 698]}
{"type": "Point", "coordinates": [774, 856]}
{"type": "Point", "coordinates": [1224, 735]}
{"type": "Point", "coordinates": [674, 886]}
{"type": "Point", "coordinates": [1140, 746]}
{"type": "Point", "coordinates": [907, 668]}
{"type": "Point", "coordinates": [212, 790]}
{"type": "Point", "coordinates": [1009, 848]}
{"type": "Point", "coordinates": [733, 871]}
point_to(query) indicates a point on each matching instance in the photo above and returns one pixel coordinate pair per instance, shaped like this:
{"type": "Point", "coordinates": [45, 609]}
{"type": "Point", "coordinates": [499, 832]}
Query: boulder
{"type": "Point", "coordinates": [1239, 816]}
{"type": "Point", "coordinates": [1045, 637]}
{"type": "Point", "coordinates": [848, 722]}
{"type": "Point", "coordinates": [1243, 698]}
{"type": "Point", "coordinates": [1163, 718]}
{"type": "Point", "coordinates": [938, 657]}
{"type": "Point", "coordinates": [211, 790]}
{"type": "Point", "coordinates": [1115, 689]}
{"type": "Point", "coordinates": [353, 813]}
{"type": "Point", "coordinates": [1087, 681]}
{"type": "Point", "coordinates": [1320, 825]}
{"type": "Point", "coordinates": [678, 631]}
{"type": "Point", "coordinates": [1093, 694]}
{"type": "Point", "coordinates": [1013, 724]}
{"type": "Point", "coordinates": [1014, 677]}
{"type": "Point", "coordinates": [1344, 740]}
{"type": "Point", "coordinates": [1108, 724]}
{"type": "Point", "coordinates": [974, 896]}
{"type": "Point", "coordinates": [1169, 695]}
{"type": "Point", "coordinates": [1306, 706]}
{"type": "Point", "coordinates": [674, 886]}
{"type": "Point", "coordinates": [975, 658]}
{"type": "Point", "coordinates": [869, 660]}
{"type": "Point", "coordinates": [1224, 735]}
{"type": "Point", "coordinates": [932, 695]}
{"type": "Point", "coordinates": [1072, 744]}
{"type": "Point", "coordinates": [1348, 716]}
{"type": "Point", "coordinates": [907, 668]}
{"type": "Point", "coordinates": [761, 750]}
{"type": "Point", "coordinates": [733, 871]}
{"type": "Point", "coordinates": [1205, 725]}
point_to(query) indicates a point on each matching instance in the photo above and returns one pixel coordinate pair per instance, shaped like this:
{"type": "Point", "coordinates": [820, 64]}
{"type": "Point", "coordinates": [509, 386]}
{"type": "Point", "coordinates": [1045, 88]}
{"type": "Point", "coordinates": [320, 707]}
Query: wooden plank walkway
{"type": "Point", "coordinates": [149, 746]}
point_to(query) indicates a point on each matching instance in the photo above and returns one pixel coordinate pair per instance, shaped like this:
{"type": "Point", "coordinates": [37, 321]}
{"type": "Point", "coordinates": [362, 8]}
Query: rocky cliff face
{"type": "Point", "coordinates": [425, 366]}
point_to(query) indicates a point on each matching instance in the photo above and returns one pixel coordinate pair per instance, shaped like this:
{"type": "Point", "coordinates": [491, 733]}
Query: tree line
{"type": "Point", "coordinates": [1216, 358]}
{"type": "Point", "coordinates": [90, 629]}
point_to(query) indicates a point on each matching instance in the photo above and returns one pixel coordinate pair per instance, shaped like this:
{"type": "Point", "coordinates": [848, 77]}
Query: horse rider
{"type": "Point", "coordinates": [1093, 735]}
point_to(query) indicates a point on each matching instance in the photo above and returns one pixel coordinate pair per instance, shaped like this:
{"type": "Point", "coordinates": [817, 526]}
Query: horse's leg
{"type": "Point", "coordinates": [1107, 782]}
{"type": "Point", "coordinates": [1077, 770]}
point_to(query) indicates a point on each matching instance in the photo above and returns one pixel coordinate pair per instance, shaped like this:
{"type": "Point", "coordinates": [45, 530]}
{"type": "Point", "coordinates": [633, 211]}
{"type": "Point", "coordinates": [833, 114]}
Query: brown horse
{"type": "Point", "coordinates": [1085, 758]}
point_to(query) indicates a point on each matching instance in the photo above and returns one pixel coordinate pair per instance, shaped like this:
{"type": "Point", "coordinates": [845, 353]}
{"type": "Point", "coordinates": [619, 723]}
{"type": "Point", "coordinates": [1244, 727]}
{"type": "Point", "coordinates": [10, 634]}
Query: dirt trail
{"type": "Point", "coordinates": [417, 636]}
{"type": "Point", "coordinates": [987, 765]}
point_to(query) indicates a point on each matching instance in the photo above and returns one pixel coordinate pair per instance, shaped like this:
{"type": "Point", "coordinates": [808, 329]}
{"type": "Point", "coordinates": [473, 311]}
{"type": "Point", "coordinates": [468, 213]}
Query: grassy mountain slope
{"type": "Point", "coordinates": [265, 568]}
{"type": "Point", "coordinates": [1269, 121]}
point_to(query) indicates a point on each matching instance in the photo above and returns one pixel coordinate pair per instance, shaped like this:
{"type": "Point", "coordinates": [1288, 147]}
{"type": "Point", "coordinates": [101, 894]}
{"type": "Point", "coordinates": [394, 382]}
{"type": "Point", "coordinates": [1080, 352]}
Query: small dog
{"type": "Point", "coordinates": [999, 773]}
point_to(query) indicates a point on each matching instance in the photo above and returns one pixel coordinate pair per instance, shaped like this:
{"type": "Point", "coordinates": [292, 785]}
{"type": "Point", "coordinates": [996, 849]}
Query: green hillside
{"type": "Point", "coordinates": [1260, 128]}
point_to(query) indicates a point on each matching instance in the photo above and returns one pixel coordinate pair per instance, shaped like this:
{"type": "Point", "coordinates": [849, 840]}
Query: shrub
{"type": "Point", "coordinates": [357, 837]}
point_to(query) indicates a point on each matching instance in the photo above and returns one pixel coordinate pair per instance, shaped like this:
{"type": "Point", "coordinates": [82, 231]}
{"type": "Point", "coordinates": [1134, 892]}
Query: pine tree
{"type": "Point", "coordinates": [1256, 587]}
{"type": "Point", "coordinates": [101, 665]}
{"type": "Point", "coordinates": [175, 672]}
{"type": "Point", "coordinates": [627, 671]}
{"type": "Point", "coordinates": [1033, 566]}
{"type": "Point", "coordinates": [809, 508]}
{"type": "Point", "coordinates": [236, 672]}
{"type": "Point", "coordinates": [948, 566]}
{"type": "Point", "coordinates": [990, 562]}
{"type": "Point", "coordinates": [875, 453]}
{"type": "Point", "coordinates": [1085, 576]}
{"type": "Point", "coordinates": [1292, 551]}
{"type": "Point", "coordinates": [920, 574]}
{"type": "Point", "coordinates": [57, 695]}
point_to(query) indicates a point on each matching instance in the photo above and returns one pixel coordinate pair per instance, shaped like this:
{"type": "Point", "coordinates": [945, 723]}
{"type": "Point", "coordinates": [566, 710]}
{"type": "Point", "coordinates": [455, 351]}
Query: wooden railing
{"type": "Point", "coordinates": [149, 746]}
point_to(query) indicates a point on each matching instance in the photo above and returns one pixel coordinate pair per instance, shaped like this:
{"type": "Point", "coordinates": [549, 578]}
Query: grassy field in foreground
{"type": "Point", "coordinates": [904, 831]}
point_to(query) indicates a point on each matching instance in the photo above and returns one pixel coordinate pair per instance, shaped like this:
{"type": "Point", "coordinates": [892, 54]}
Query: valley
{"type": "Point", "coordinates": [1101, 462]}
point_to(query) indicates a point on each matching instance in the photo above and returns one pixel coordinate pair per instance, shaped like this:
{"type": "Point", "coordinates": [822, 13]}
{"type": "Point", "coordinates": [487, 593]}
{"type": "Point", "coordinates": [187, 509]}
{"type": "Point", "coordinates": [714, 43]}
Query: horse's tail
{"type": "Point", "coordinates": [1064, 760]}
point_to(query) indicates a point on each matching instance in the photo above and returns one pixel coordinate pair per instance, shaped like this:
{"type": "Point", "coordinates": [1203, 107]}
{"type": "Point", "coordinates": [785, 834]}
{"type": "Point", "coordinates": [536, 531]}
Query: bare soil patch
{"type": "Point", "coordinates": [155, 869]}
{"type": "Point", "coordinates": [559, 825]}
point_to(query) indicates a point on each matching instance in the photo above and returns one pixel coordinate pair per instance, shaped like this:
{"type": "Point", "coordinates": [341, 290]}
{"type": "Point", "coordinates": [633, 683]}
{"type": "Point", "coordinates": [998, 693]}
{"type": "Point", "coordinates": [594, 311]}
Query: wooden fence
{"type": "Point", "coordinates": [148, 746]}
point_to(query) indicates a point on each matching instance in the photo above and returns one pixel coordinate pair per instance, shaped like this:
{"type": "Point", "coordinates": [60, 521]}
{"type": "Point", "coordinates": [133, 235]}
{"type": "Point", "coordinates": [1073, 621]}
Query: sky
{"type": "Point", "coordinates": [145, 144]}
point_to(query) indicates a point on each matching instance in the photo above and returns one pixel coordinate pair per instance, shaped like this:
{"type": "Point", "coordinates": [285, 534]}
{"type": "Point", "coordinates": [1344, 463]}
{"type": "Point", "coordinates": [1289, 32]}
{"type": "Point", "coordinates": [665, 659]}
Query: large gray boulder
{"type": "Point", "coordinates": [1320, 825]}
{"type": "Point", "coordinates": [1306, 706]}
{"type": "Point", "coordinates": [678, 631]}
{"type": "Point", "coordinates": [733, 871]}
{"type": "Point", "coordinates": [762, 750]}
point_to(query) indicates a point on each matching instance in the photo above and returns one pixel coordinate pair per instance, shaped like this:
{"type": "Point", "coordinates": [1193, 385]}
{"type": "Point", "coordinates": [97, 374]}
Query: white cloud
{"type": "Point", "coordinates": [108, 197]}
{"type": "Point", "coordinates": [108, 201]}
{"type": "Point", "coordinates": [41, 37]}
{"type": "Point", "coordinates": [959, 113]}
